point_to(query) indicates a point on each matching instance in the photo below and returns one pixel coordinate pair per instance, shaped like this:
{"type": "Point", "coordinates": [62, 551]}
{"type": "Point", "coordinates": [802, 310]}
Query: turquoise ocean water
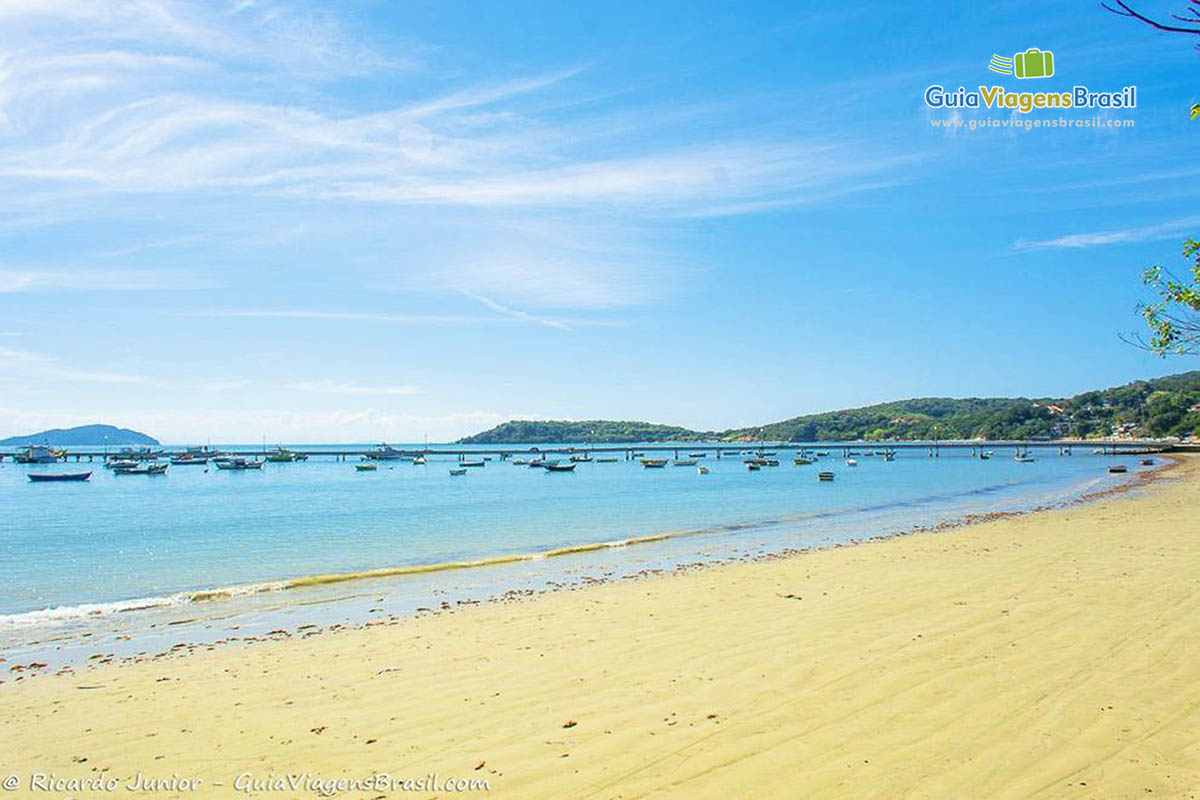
{"type": "Point", "coordinates": [126, 556]}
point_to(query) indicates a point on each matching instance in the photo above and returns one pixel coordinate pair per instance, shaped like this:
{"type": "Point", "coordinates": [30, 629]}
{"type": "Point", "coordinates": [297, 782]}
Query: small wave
{"type": "Point", "coordinates": [65, 614]}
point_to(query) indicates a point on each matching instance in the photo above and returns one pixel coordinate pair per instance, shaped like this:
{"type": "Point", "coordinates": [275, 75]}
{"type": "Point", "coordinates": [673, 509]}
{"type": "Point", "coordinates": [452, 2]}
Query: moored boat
{"type": "Point", "coordinates": [1116, 468]}
{"type": "Point", "coordinates": [48, 477]}
{"type": "Point", "coordinates": [148, 469]}
{"type": "Point", "coordinates": [654, 463]}
{"type": "Point", "coordinates": [850, 462]}
{"type": "Point", "coordinates": [459, 471]}
{"type": "Point", "coordinates": [561, 467]}
{"type": "Point", "coordinates": [824, 476]}
{"type": "Point", "coordinates": [281, 455]}
{"type": "Point", "coordinates": [36, 454]}
{"type": "Point", "coordinates": [479, 463]}
{"type": "Point", "coordinates": [237, 464]}
{"type": "Point", "coordinates": [803, 462]}
{"type": "Point", "coordinates": [685, 462]}
{"type": "Point", "coordinates": [702, 470]}
{"type": "Point", "coordinates": [387, 453]}
{"type": "Point", "coordinates": [367, 467]}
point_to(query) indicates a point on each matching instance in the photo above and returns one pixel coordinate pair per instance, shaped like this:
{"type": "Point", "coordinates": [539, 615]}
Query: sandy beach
{"type": "Point", "coordinates": [1055, 654]}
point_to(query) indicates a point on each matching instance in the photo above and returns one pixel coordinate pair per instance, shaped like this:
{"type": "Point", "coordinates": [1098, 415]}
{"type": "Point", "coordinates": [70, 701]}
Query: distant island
{"type": "Point", "coordinates": [1160, 407]}
{"type": "Point", "coordinates": [82, 435]}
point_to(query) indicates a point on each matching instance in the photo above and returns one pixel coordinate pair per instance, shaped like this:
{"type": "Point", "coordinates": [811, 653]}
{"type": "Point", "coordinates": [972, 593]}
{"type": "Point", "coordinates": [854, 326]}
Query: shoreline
{"type": "Point", "coordinates": [1047, 654]}
{"type": "Point", "coordinates": [279, 590]}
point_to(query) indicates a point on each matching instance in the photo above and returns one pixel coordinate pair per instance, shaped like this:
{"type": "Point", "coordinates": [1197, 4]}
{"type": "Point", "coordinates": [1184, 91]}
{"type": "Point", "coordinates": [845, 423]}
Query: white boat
{"type": "Point", "coordinates": [850, 462]}
{"type": "Point", "coordinates": [702, 470]}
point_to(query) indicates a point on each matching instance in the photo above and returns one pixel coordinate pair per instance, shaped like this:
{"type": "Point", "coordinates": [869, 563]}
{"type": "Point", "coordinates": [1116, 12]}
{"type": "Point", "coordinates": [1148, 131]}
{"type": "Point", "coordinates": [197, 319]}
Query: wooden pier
{"type": "Point", "coordinates": [967, 448]}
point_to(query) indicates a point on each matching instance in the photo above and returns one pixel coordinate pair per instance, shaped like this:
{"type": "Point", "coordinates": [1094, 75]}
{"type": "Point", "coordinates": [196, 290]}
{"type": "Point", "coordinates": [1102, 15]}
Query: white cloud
{"type": "Point", "coordinates": [35, 366]}
{"type": "Point", "coordinates": [190, 426]}
{"type": "Point", "coordinates": [98, 280]}
{"type": "Point", "coordinates": [335, 387]}
{"type": "Point", "coordinates": [1147, 233]}
{"type": "Point", "coordinates": [520, 316]}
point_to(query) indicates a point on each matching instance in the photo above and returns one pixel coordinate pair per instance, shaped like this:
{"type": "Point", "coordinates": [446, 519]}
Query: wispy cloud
{"type": "Point", "coordinates": [509, 316]}
{"type": "Point", "coordinates": [1147, 233]}
{"type": "Point", "coordinates": [98, 281]}
{"type": "Point", "coordinates": [146, 101]}
{"type": "Point", "coordinates": [35, 366]}
{"type": "Point", "coordinates": [520, 189]}
{"type": "Point", "coordinates": [354, 389]}
{"type": "Point", "coordinates": [521, 316]}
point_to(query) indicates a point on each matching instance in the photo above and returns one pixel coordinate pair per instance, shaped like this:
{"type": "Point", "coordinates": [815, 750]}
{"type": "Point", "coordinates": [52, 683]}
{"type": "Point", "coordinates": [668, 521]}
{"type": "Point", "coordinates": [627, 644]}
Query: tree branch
{"type": "Point", "coordinates": [1125, 11]}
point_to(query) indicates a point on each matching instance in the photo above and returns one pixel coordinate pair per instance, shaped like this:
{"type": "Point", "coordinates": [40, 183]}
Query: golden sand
{"type": "Point", "coordinates": [1051, 655]}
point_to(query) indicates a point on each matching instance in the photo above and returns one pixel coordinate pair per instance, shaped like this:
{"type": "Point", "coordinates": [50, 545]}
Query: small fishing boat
{"type": "Point", "coordinates": [1115, 468]}
{"type": "Point", "coordinates": [825, 476]}
{"type": "Point", "coordinates": [850, 462]}
{"type": "Point", "coordinates": [186, 460]}
{"type": "Point", "coordinates": [148, 469]}
{"type": "Point", "coordinates": [581, 459]}
{"type": "Point", "coordinates": [36, 454]}
{"type": "Point", "coordinates": [47, 477]}
{"type": "Point", "coordinates": [419, 460]}
{"type": "Point", "coordinates": [282, 455]}
{"type": "Point", "coordinates": [702, 470]}
{"type": "Point", "coordinates": [607, 460]}
{"type": "Point", "coordinates": [770, 462]}
{"type": "Point", "coordinates": [537, 462]}
{"type": "Point", "coordinates": [697, 455]}
{"type": "Point", "coordinates": [120, 463]}
{"type": "Point", "coordinates": [520, 462]}
{"type": "Point", "coordinates": [1024, 459]}
{"type": "Point", "coordinates": [803, 462]}
{"type": "Point", "coordinates": [654, 463]}
{"type": "Point", "coordinates": [387, 453]}
{"type": "Point", "coordinates": [1147, 462]}
{"type": "Point", "coordinates": [984, 456]}
{"type": "Point", "coordinates": [685, 462]}
{"type": "Point", "coordinates": [753, 467]}
{"type": "Point", "coordinates": [550, 467]}
{"type": "Point", "coordinates": [237, 464]}
{"type": "Point", "coordinates": [479, 463]}
{"type": "Point", "coordinates": [822, 453]}
{"type": "Point", "coordinates": [460, 471]}
{"type": "Point", "coordinates": [370, 466]}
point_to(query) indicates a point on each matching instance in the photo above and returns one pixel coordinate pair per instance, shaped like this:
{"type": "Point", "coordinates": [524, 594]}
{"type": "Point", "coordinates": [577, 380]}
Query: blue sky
{"type": "Point", "coordinates": [375, 220]}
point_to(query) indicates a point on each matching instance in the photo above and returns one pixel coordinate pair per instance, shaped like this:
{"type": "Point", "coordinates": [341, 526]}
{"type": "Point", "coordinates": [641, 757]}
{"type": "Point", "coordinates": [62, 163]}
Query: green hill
{"type": "Point", "coordinates": [588, 431]}
{"type": "Point", "coordinates": [1160, 407]}
{"type": "Point", "coordinates": [82, 435]}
